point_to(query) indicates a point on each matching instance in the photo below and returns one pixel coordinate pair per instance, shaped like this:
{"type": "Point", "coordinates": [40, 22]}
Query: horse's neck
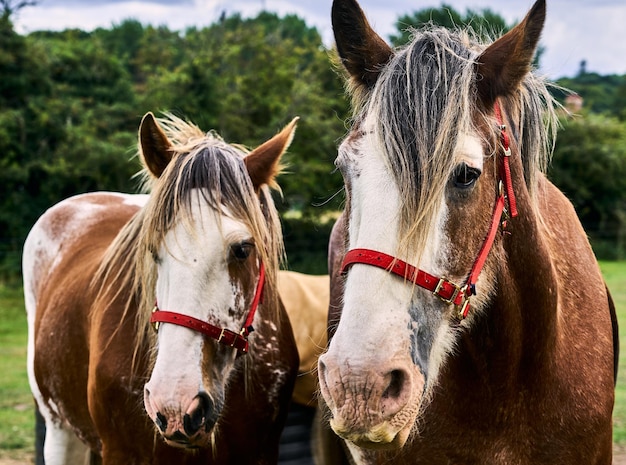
{"type": "Point", "coordinates": [520, 325]}
{"type": "Point", "coordinates": [271, 319]}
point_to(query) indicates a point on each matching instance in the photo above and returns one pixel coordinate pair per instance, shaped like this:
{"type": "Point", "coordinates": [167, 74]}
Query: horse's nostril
{"type": "Point", "coordinates": [198, 414]}
{"type": "Point", "coordinates": [161, 422]}
{"type": "Point", "coordinates": [395, 384]}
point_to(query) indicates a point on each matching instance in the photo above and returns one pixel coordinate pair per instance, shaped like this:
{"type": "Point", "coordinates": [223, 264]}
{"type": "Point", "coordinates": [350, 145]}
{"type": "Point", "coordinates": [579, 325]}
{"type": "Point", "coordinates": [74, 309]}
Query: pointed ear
{"type": "Point", "coordinates": [263, 163]}
{"type": "Point", "coordinates": [154, 146]}
{"type": "Point", "coordinates": [504, 64]}
{"type": "Point", "coordinates": [362, 51]}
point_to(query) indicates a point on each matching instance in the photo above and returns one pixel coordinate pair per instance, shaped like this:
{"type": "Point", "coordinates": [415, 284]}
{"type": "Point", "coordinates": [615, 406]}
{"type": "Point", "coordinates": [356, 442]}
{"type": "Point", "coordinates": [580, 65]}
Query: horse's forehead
{"type": "Point", "coordinates": [469, 148]}
{"type": "Point", "coordinates": [210, 227]}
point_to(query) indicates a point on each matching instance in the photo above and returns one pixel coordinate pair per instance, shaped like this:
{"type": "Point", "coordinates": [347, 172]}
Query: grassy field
{"type": "Point", "coordinates": [615, 277]}
{"type": "Point", "coordinates": [16, 405]}
{"type": "Point", "coordinates": [17, 422]}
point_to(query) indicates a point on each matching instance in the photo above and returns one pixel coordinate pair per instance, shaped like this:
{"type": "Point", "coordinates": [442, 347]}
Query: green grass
{"type": "Point", "coordinates": [615, 277]}
{"type": "Point", "coordinates": [17, 435]}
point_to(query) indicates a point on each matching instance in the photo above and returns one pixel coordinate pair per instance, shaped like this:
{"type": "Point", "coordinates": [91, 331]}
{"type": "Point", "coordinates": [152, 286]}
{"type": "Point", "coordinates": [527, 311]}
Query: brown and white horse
{"type": "Point", "coordinates": [205, 246]}
{"type": "Point", "coordinates": [474, 326]}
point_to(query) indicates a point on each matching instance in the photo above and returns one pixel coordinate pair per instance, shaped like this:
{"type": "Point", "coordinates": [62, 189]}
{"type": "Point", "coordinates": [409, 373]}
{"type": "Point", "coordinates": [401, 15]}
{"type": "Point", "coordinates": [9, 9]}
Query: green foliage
{"type": "Point", "coordinates": [306, 244]}
{"type": "Point", "coordinates": [71, 102]}
{"type": "Point", "coordinates": [601, 94]}
{"type": "Point", "coordinates": [589, 166]}
{"type": "Point", "coordinates": [485, 22]}
{"type": "Point", "coordinates": [67, 121]}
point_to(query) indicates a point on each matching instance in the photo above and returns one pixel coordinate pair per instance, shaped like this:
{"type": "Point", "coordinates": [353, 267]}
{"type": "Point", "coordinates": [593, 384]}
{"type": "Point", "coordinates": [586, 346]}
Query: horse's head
{"type": "Point", "coordinates": [210, 237]}
{"type": "Point", "coordinates": [422, 165]}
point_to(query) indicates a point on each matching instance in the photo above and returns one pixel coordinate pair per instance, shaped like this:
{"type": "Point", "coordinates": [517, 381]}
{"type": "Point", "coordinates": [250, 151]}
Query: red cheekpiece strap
{"type": "Point", "coordinates": [258, 298]}
{"type": "Point", "coordinates": [506, 167]}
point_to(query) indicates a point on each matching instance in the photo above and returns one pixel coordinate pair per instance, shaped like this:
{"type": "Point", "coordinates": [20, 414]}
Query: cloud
{"type": "Point", "coordinates": [83, 3]}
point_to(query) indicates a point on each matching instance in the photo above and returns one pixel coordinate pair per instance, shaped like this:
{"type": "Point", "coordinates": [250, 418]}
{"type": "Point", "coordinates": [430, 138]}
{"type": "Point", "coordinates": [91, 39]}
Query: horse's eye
{"type": "Point", "coordinates": [465, 176]}
{"type": "Point", "coordinates": [241, 250]}
{"type": "Point", "coordinates": [155, 258]}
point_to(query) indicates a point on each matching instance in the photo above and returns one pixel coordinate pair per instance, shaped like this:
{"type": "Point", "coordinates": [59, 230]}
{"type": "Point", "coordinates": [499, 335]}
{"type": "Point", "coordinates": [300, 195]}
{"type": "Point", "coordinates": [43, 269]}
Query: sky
{"type": "Point", "coordinates": [575, 30]}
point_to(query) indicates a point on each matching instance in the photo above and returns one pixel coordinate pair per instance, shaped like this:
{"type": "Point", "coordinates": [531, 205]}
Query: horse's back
{"type": "Point", "coordinates": [305, 298]}
{"type": "Point", "coordinates": [82, 222]}
{"type": "Point", "coordinates": [61, 254]}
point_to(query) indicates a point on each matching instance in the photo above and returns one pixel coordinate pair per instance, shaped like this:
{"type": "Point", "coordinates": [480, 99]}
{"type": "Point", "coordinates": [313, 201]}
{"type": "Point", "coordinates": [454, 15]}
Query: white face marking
{"type": "Point", "coordinates": [469, 150]}
{"type": "Point", "coordinates": [381, 309]}
{"type": "Point", "coordinates": [193, 279]}
{"type": "Point", "coordinates": [374, 298]}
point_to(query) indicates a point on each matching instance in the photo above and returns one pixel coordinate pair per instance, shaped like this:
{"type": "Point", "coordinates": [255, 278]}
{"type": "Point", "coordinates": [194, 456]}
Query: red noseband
{"type": "Point", "coordinates": [446, 290]}
{"type": "Point", "coordinates": [222, 335]}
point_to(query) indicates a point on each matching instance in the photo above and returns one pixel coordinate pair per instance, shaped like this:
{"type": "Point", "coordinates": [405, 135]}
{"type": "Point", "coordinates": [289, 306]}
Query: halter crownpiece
{"type": "Point", "coordinates": [446, 290]}
{"type": "Point", "coordinates": [223, 336]}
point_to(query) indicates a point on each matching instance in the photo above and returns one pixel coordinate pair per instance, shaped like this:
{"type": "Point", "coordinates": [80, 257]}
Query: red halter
{"type": "Point", "coordinates": [224, 336]}
{"type": "Point", "coordinates": [446, 290]}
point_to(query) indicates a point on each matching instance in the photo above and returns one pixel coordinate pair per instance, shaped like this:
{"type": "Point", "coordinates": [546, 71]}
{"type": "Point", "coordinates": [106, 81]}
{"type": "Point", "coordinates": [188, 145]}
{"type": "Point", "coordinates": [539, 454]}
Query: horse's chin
{"type": "Point", "coordinates": [380, 437]}
{"type": "Point", "coordinates": [200, 441]}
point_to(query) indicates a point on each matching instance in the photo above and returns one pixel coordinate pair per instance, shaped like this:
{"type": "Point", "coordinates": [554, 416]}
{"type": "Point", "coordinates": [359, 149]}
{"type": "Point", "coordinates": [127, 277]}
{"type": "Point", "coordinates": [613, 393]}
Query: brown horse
{"type": "Point", "coordinates": [205, 246]}
{"type": "Point", "coordinates": [473, 324]}
{"type": "Point", "coordinates": [306, 298]}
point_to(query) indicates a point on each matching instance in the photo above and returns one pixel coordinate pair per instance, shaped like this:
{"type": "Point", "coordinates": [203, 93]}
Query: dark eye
{"type": "Point", "coordinates": [465, 176]}
{"type": "Point", "coordinates": [155, 257]}
{"type": "Point", "coordinates": [241, 250]}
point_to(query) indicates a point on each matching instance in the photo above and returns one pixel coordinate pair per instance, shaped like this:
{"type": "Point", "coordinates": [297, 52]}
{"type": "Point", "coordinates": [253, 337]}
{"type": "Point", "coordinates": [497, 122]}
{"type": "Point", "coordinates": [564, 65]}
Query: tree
{"type": "Point", "coordinates": [589, 166]}
{"type": "Point", "coordinates": [485, 23]}
{"type": "Point", "coordinates": [601, 94]}
{"type": "Point", "coordinates": [10, 7]}
{"type": "Point", "coordinates": [66, 122]}
{"type": "Point", "coordinates": [262, 72]}
{"type": "Point", "coordinates": [71, 101]}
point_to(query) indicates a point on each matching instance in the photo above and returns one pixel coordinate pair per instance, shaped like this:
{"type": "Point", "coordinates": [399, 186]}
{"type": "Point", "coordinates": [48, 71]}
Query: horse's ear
{"type": "Point", "coordinates": [504, 64]}
{"type": "Point", "coordinates": [263, 163]}
{"type": "Point", "coordinates": [362, 51]}
{"type": "Point", "coordinates": [154, 146]}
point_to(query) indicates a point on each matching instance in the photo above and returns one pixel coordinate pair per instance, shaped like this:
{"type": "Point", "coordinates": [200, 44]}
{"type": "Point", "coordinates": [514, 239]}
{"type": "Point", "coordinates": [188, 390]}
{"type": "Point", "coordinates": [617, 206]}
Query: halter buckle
{"type": "Point", "coordinates": [155, 325]}
{"type": "Point", "coordinates": [463, 309]}
{"type": "Point", "coordinates": [455, 293]}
